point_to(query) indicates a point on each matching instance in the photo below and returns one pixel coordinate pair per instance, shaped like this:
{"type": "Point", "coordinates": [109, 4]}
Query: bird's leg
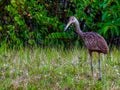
{"type": "Point", "coordinates": [99, 67]}
{"type": "Point", "coordinates": [91, 62]}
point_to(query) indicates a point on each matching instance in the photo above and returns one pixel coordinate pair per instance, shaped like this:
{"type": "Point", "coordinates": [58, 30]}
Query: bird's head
{"type": "Point", "coordinates": [71, 21]}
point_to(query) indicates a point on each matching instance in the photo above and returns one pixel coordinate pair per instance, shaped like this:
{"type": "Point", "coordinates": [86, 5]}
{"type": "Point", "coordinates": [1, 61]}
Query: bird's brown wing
{"type": "Point", "coordinates": [95, 42]}
{"type": "Point", "coordinates": [90, 41]}
{"type": "Point", "coordinates": [102, 44]}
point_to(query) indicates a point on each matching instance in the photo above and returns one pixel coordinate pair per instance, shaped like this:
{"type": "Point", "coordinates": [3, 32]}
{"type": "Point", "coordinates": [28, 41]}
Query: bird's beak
{"type": "Point", "coordinates": [67, 26]}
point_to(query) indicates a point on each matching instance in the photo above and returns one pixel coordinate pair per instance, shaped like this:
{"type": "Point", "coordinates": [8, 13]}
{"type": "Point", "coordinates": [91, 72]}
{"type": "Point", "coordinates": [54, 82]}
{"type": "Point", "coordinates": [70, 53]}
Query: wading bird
{"type": "Point", "coordinates": [93, 41]}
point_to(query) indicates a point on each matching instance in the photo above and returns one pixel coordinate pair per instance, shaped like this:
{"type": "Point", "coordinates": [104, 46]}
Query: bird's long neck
{"type": "Point", "coordinates": [78, 29]}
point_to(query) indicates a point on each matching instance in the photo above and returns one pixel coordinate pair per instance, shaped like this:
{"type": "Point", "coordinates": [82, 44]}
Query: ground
{"type": "Point", "coordinates": [57, 69]}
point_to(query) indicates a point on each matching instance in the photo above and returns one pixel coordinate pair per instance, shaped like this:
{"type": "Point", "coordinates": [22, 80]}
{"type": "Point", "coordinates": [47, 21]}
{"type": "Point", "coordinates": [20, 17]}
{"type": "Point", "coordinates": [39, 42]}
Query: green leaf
{"type": "Point", "coordinates": [13, 2]}
{"type": "Point", "coordinates": [32, 42]}
{"type": "Point", "coordinates": [9, 8]}
{"type": "Point", "coordinates": [69, 80]}
{"type": "Point", "coordinates": [117, 31]}
{"type": "Point", "coordinates": [104, 16]}
{"type": "Point", "coordinates": [16, 18]}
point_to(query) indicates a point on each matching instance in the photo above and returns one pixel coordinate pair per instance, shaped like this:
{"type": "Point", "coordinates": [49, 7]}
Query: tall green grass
{"type": "Point", "coordinates": [57, 69]}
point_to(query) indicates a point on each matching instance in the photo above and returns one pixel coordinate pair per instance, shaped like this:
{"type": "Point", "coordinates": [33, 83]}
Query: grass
{"type": "Point", "coordinates": [57, 69]}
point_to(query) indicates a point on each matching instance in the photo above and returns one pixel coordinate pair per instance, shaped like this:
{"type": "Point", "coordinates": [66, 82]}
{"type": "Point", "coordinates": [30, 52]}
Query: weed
{"type": "Point", "coordinates": [57, 68]}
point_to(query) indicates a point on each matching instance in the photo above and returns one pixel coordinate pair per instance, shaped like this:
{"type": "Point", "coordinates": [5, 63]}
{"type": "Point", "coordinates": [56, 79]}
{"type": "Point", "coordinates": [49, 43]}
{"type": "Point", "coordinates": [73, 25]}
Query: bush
{"type": "Point", "coordinates": [29, 22]}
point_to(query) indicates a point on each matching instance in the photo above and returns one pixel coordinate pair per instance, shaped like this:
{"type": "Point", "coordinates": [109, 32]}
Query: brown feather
{"type": "Point", "coordinates": [95, 42]}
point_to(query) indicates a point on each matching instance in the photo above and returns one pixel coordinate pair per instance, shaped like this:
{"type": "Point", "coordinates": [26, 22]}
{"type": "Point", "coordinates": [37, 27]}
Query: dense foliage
{"type": "Point", "coordinates": [29, 22]}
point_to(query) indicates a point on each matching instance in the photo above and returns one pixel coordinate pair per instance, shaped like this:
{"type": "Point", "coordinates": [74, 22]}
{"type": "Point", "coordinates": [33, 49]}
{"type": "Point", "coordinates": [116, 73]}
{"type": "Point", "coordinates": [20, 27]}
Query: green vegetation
{"type": "Point", "coordinates": [36, 54]}
{"type": "Point", "coordinates": [53, 69]}
{"type": "Point", "coordinates": [29, 22]}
